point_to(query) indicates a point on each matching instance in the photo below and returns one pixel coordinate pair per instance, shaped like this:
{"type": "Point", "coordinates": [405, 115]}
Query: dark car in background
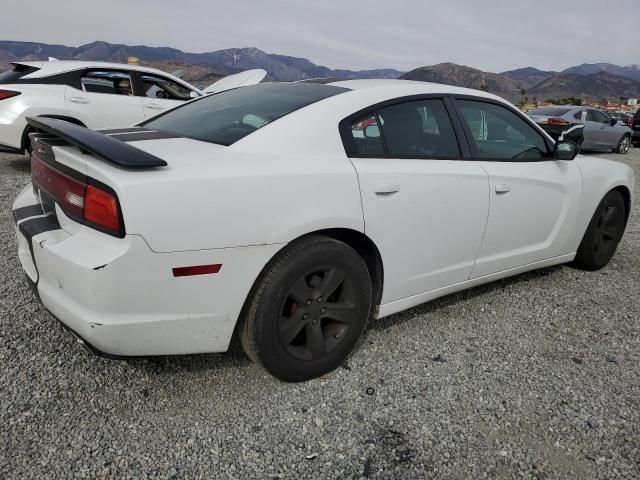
{"type": "Point", "coordinates": [623, 117]}
{"type": "Point", "coordinates": [601, 131]}
{"type": "Point", "coordinates": [634, 125]}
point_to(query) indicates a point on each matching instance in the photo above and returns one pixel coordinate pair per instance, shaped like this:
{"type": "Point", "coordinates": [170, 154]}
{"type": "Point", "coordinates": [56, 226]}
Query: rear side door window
{"type": "Point", "coordinates": [156, 86]}
{"type": "Point", "coordinates": [114, 82]}
{"type": "Point", "coordinates": [498, 133]}
{"type": "Point", "coordinates": [414, 129]}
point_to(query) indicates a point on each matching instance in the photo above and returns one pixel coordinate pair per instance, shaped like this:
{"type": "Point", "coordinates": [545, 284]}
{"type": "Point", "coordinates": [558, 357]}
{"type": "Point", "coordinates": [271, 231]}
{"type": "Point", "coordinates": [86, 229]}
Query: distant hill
{"type": "Point", "coordinates": [462, 76]}
{"type": "Point", "coordinates": [528, 77]}
{"type": "Point", "coordinates": [279, 67]}
{"type": "Point", "coordinates": [594, 86]}
{"type": "Point", "coordinates": [630, 71]}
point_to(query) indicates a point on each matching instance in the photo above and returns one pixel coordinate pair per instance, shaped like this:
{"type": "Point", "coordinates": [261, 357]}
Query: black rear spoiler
{"type": "Point", "coordinates": [102, 146]}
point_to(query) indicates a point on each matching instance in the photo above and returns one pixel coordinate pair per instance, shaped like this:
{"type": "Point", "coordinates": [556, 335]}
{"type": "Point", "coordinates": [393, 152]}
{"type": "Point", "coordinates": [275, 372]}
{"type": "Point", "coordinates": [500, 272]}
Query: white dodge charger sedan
{"type": "Point", "coordinates": [291, 213]}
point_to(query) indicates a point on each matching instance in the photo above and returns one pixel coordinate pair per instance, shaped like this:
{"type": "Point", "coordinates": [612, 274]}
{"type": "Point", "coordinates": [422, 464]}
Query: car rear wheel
{"type": "Point", "coordinates": [308, 310]}
{"type": "Point", "coordinates": [603, 233]}
{"type": "Point", "coordinates": [623, 144]}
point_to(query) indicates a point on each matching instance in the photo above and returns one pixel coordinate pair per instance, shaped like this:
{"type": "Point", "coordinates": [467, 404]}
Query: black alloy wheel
{"type": "Point", "coordinates": [603, 233]}
{"type": "Point", "coordinates": [317, 313]}
{"type": "Point", "coordinates": [308, 310]}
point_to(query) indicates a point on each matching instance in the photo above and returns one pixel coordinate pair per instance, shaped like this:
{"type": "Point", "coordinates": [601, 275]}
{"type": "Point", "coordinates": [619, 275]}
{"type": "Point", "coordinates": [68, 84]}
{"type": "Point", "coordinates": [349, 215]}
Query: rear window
{"type": "Point", "coordinates": [550, 111]}
{"type": "Point", "coordinates": [18, 71]}
{"type": "Point", "coordinates": [226, 117]}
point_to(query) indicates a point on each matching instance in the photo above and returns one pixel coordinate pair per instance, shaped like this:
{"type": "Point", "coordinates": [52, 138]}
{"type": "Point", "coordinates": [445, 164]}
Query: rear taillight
{"type": "Point", "coordinates": [101, 208]}
{"type": "Point", "coordinates": [77, 196]}
{"type": "Point", "coordinates": [4, 94]}
{"type": "Point", "coordinates": [632, 121]}
{"type": "Point", "coordinates": [556, 121]}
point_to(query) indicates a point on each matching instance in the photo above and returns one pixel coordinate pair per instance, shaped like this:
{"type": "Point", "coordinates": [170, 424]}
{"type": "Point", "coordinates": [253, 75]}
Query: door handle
{"type": "Point", "coordinates": [503, 188]}
{"type": "Point", "coordinates": [78, 100]}
{"type": "Point", "coordinates": [386, 188]}
{"type": "Point", "coordinates": [154, 106]}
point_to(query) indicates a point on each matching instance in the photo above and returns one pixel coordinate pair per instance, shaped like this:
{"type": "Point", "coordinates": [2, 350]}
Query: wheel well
{"type": "Point", "coordinates": [626, 195]}
{"type": "Point", "coordinates": [369, 253]}
{"type": "Point", "coordinates": [29, 128]}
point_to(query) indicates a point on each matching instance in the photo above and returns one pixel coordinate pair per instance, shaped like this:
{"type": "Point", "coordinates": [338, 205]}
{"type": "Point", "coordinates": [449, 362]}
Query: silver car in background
{"type": "Point", "coordinates": [601, 131]}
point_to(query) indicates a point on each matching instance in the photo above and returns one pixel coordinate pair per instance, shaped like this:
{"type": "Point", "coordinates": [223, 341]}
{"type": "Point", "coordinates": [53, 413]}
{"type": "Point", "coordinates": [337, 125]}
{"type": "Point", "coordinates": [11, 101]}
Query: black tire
{"type": "Point", "coordinates": [289, 327]}
{"type": "Point", "coordinates": [623, 145]}
{"type": "Point", "coordinates": [603, 233]}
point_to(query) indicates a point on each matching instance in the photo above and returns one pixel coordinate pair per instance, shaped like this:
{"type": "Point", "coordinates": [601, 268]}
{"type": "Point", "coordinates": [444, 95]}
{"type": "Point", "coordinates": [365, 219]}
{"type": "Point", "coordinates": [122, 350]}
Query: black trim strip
{"type": "Point", "coordinates": [143, 135]}
{"type": "Point", "coordinates": [35, 226]}
{"type": "Point", "coordinates": [102, 146]}
{"type": "Point", "coordinates": [26, 212]}
{"type": "Point", "coordinates": [111, 131]}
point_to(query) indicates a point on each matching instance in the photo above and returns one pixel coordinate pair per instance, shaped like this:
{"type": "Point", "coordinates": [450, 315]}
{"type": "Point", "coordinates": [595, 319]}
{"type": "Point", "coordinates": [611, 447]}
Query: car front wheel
{"type": "Point", "coordinates": [308, 309]}
{"type": "Point", "coordinates": [603, 233]}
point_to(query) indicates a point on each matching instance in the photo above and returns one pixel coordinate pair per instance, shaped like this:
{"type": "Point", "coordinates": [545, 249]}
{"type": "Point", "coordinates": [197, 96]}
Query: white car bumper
{"type": "Point", "coordinates": [121, 298]}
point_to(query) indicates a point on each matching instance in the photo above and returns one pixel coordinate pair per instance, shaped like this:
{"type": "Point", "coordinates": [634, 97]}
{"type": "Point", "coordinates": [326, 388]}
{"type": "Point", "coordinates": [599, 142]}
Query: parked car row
{"type": "Point", "coordinates": [600, 131]}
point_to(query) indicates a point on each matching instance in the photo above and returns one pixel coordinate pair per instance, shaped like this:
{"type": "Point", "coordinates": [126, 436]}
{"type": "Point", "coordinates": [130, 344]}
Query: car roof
{"type": "Point", "coordinates": [401, 84]}
{"type": "Point", "coordinates": [53, 67]}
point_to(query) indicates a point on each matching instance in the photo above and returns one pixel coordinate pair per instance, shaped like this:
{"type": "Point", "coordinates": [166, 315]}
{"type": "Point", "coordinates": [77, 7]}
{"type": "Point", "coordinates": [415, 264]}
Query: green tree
{"type": "Point", "coordinates": [484, 87]}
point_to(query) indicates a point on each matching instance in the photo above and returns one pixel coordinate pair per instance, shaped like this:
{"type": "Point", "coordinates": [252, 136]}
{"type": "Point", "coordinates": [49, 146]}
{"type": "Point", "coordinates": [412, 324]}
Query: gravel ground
{"type": "Point", "coordinates": [532, 377]}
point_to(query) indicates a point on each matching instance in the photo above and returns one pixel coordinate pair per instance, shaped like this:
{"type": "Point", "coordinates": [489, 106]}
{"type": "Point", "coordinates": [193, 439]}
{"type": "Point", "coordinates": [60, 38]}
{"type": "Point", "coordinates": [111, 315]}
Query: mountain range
{"type": "Point", "coordinates": [588, 81]}
{"type": "Point", "coordinates": [593, 81]}
{"type": "Point", "coordinates": [278, 67]}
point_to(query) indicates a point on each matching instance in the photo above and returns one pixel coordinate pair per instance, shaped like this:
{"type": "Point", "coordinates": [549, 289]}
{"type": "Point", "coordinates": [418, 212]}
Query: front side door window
{"type": "Point", "coordinates": [498, 133]}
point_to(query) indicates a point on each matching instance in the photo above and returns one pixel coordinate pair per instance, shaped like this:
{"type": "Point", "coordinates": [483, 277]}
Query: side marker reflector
{"type": "Point", "coordinates": [196, 270]}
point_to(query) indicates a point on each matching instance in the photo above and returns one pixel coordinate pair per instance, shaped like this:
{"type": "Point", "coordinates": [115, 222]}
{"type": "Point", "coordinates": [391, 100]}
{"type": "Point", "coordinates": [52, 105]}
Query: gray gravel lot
{"type": "Point", "coordinates": [532, 377]}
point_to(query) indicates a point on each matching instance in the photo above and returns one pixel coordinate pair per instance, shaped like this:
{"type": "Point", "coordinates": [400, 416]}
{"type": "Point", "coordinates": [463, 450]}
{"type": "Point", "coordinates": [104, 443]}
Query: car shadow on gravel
{"type": "Point", "coordinates": [232, 358]}
{"type": "Point", "coordinates": [454, 298]}
{"type": "Point", "coordinates": [21, 165]}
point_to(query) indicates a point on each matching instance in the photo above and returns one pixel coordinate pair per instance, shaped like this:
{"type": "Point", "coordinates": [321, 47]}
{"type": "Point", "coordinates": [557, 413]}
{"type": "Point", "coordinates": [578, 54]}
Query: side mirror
{"type": "Point", "coordinates": [614, 121]}
{"type": "Point", "coordinates": [371, 131]}
{"type": "Point", "coordinates": [193, 94]}
{"type": "Point", "coordinates": [565, 150]}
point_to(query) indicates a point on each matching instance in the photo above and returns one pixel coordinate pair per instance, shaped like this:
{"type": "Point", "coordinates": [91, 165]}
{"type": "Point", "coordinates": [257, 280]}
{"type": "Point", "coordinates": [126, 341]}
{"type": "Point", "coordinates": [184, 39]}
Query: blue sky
{"type": "Point", "coordinates": [493, 35]}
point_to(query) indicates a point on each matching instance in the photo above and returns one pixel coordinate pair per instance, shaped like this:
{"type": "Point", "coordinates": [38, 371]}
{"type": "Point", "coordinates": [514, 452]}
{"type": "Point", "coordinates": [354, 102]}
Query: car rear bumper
{"type": "Point", "coordinates": [121, 298]}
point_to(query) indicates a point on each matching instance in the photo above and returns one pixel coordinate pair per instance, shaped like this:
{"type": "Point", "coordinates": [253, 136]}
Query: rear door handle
{"type": "Point", "coordinates": [154, 106]}
{"type": "Point", "coordinates": [386, 188]}
{"type": "Point", "coordinates": [503, 188]}
{"type": "Point", "coordinates": [78, 100]}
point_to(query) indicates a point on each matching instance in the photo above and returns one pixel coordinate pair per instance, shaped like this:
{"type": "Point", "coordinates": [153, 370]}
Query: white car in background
{"type": "Point", "coordinates": [291, 213]}
{"type": "Point", "coordinates": [92, 94]}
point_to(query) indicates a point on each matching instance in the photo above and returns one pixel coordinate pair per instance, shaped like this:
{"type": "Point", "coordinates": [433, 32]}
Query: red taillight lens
{"type": "Point", "coordinates": [101, 208]}
{"type": "Point", "coordinates": [632, 121]}
{"type": "Point", "coordinates": [8, 94]}
{"type": "Point", "coordinates": [86, 203]}
{"type": "Point", "coordinates": [196, 270]}
{"type": "Point", "coordinates": [557, 121]}
{"type": "Point", "coordinates": [66, 190]}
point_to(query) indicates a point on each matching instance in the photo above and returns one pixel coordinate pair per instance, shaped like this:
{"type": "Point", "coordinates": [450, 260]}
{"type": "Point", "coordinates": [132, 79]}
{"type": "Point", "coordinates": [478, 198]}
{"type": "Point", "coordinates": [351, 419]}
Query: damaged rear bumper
{"type": "Point", "coordinates": [120, 298]}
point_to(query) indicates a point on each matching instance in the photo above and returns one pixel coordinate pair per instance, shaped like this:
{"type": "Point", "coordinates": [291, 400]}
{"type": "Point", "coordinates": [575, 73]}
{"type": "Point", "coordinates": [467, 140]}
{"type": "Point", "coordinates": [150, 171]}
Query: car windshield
{"type": "Point", "coordinates": [550, 111]}
{"type": "Point", "coordinates": [226, 117]}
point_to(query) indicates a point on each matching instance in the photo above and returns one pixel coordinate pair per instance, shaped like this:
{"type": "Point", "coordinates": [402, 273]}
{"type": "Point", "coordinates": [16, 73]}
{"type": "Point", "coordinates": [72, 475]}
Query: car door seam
{"type": "Point", "coordinates": [486, 223]}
